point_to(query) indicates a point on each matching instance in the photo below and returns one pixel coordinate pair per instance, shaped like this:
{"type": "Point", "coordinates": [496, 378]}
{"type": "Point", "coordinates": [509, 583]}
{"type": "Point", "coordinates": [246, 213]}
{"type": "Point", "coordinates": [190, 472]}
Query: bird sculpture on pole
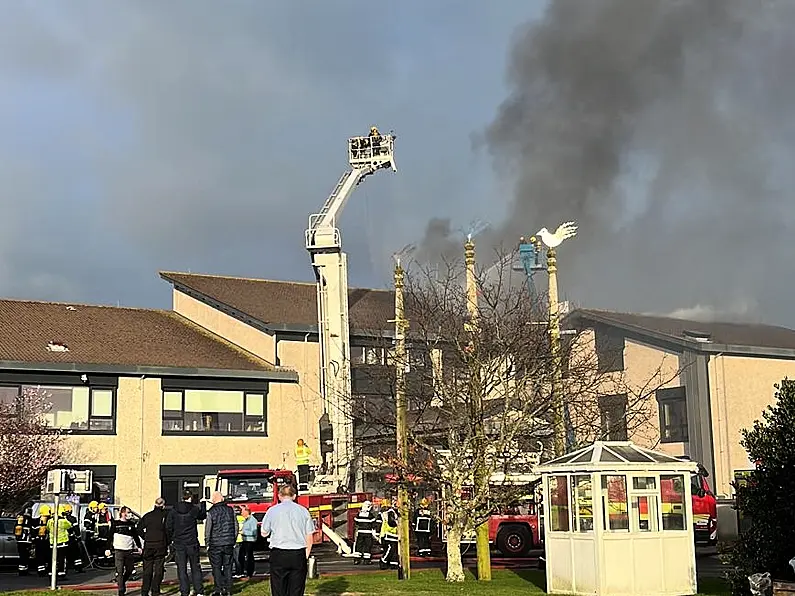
{"type": "Point", "coordinates": [564, 232]}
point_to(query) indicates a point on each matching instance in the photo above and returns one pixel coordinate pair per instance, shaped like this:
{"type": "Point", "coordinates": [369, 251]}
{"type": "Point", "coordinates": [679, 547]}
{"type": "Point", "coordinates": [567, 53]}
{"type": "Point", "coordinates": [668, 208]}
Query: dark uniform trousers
{"type": "Point", "coordinates": [288, 569]}
{"type": "Point", "coordinates": [125, 563]}
{"type": "Point", "coordinates": [154, 558]}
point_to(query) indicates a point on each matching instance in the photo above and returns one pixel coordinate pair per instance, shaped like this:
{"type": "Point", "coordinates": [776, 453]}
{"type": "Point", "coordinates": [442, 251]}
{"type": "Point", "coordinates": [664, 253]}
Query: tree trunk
{"type": "Point", "coordinates": [455, 569]}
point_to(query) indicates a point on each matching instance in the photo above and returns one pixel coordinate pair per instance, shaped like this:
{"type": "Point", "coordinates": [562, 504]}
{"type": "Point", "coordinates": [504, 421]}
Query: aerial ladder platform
{"type": "Point", "coordinates": [366, 156]}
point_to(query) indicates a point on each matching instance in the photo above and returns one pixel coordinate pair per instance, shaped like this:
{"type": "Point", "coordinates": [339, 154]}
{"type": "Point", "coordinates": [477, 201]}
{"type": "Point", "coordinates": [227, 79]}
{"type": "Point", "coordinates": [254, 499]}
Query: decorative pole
{"type": "Point", "coordinates": [401, 408]}
{"type": "Point", "coordinates": [552, 241]}
{"type": "Point", "coordinates": [480, 474]}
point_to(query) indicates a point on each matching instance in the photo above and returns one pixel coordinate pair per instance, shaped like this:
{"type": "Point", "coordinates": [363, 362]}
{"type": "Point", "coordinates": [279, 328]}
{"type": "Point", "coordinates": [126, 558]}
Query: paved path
{"type": "Point", "coordinates": [329, 563]}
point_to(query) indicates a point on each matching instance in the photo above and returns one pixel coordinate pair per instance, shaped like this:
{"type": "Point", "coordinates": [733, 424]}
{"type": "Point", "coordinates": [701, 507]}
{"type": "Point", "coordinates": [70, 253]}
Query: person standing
{"type": "Point", "coordinates": [291, 531]}
{"type": "Point", "coordinates": [125, 541]}
{"type": "Point", "coordinates": [102, 525]}
{"type": "Point", "coordinates": [181, 526]}
{"type": "Point", "coordinates": [248, 531]}
{"type": "Point", "coordinates": [302, 455]}
{"type": "Point", "coordinates": [41, 541]}
{"type": "Point", "coordinates": [74, 554]}
{"type": "Point", "coordinates": [59, 539]}
{"type": "Point", "coordinates": [365, 523]}
{"type": "Point", "coordinates": [220, 534]}
{"type": "Point", "coordinates": [238, 543]}
{"type": "Point", "coordinates": [23, 532]}
{"type": "Point", "coordinates": [153, 529]}
{"type": "Point", "coordinates": [389, 535]}
{"type": "Point", "coordinates": [423, 528]}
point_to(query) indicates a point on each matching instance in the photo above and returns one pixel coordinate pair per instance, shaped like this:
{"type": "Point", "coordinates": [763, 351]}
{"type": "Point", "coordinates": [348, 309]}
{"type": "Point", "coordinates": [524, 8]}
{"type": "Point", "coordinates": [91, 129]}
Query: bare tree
{"type": "Point", "coordinates": [490, 374]}
{"type": "Point", "coordinates": [29, 447]}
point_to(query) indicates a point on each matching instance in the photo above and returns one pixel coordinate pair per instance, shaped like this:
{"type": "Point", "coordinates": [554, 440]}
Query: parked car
{"type": "Point", "coordinates": [8, 543]}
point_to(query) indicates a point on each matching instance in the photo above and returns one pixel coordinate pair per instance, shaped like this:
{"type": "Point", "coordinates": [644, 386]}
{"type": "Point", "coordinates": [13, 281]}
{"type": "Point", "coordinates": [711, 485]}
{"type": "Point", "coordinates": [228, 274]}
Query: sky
{"type": "Point", "coordinates": [199, 135]}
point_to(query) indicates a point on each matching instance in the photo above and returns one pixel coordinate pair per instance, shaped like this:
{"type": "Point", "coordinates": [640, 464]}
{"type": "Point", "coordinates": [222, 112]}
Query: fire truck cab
{"type": "Point", "coordinates": [259, 490]}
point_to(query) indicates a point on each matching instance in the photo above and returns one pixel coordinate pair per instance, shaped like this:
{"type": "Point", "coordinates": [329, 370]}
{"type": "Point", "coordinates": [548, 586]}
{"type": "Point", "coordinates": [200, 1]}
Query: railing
{"type": "Point", "coordinates": [373, 150]}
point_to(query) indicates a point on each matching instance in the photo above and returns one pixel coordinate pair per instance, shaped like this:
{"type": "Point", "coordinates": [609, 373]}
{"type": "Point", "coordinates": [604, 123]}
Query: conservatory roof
{"type": "Point", "coordinates": [616, 455]}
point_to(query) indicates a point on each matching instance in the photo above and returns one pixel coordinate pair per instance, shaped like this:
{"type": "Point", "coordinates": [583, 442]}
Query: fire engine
{"type": "Point", "coordinates": [258, 490]}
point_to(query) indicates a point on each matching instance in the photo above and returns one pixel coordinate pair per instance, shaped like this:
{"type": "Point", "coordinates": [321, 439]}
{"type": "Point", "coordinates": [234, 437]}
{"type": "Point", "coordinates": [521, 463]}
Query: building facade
{"type": "Point", "coordinates": [705, 382]}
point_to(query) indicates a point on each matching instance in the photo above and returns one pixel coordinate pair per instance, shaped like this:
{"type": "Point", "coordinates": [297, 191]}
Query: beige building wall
{"type": "Point", "coordinates": [139, 448]}
{"type": "Point", "coordinates": [740, 390]}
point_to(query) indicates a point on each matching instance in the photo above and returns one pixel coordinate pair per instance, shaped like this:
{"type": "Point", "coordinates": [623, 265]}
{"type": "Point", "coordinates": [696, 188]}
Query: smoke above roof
{"type": "Point", "coordinates": [665, 129]}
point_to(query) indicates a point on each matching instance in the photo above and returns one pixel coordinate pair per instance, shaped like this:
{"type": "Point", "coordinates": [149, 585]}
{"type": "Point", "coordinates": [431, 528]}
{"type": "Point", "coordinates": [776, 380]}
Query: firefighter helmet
{"type": "Point", "coordinates": [67, 508]}
{"type": "Point", "coordinates": [424, 503]}
{"type": "Point", "coordinates": [102, 506]}
{"type": "Point", "coordinates": [385, 503]}
{"type": "Point", "coordinates": [62, 510]}
{"type": "Point", "coordinates": [45, 511]}
{"type": "Point", "coordinates": [92, 506]}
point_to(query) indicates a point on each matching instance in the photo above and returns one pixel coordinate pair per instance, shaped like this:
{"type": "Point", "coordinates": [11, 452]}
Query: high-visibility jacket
{"type": "Point", "coordinates": [302, 454]}
{"type": "Point", "coordinates": [63, 531]}
{"type": "Point", "coordinates": [240, 520]}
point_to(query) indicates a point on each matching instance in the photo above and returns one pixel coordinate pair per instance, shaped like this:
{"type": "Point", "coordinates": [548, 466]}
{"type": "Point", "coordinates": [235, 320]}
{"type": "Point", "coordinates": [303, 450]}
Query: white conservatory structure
{"type": "Point", "coordinates": [619, 521]}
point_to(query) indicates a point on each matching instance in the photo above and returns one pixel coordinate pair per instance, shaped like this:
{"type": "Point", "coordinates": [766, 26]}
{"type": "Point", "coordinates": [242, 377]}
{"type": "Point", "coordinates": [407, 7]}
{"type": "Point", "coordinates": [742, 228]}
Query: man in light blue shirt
{"type": "Point", "coordinates": [290, 529]}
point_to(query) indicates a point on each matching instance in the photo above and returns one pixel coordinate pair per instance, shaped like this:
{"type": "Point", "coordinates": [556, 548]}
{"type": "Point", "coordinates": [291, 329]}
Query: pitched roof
{"type": "Point", "coordinates": [118, 338]}
{"type": "Point", "coordinates": [708, 336]}
{"type": "Point", "coordinates": [285, 303]}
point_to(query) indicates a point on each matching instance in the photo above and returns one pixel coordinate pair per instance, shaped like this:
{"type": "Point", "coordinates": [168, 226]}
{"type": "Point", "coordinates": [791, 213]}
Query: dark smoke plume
{"type": "Point", "coordinates": [665, 129]}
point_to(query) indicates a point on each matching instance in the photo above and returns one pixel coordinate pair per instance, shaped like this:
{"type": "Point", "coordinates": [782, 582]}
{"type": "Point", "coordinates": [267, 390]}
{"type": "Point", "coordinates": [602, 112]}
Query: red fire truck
{"type": "Point", "coordinates": [258, 489]}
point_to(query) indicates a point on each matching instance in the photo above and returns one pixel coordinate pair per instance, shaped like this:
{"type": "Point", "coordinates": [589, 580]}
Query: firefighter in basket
{"type": "Point", "coordinates": [41, 541]}
{"type": "Point", "coordinates": [74, 554]}
{"type": "Point", "coordinates": [389, 535]}
{"type": "Point", "coordinates": [423, 527]}
{"type": "Point", "coordinates": [365, 523]}
{"type": "Point", "coordinates": [59, 539]}
{"type": "Point", "coordinates": [23, 532]}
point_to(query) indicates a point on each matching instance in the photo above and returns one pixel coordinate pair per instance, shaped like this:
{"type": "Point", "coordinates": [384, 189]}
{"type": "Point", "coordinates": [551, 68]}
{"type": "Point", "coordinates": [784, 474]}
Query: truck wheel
{"type": "Point", "coordinates": [514, 541]}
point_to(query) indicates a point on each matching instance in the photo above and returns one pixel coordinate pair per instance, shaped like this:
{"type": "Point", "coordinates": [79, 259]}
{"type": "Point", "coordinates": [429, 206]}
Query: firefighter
{"type": "Point", "coordinates": [365, 524]}
{"type": "Point", "coordinates": [375, 140]}
{"type": "Point", "coordinates": [423, 526]}
{"type": "Point", "coordinates": [90, 528]}
{"type": "Point", "coordinates": [59, 539]}
{"type": "Point", "coordinates": [41, 541]}
{"type": "Point", "coordinates": [302, 453]}
{"type": "Point", "coordinates": [389, 535]}
{"type": "Point", "coordinates": [103, 520]}
{"type": "Point", "coordinates": [23, 532]}
{"type": "Point", "coordinates": [74, 555]}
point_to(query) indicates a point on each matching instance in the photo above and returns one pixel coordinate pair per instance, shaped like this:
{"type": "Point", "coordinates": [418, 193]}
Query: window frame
{"type": "Point", "coordinates": [607, 403]}
{"type": "Point", "coordinates": [212, 433]}
{"type": "Point", "coordinates": [666, 397]}
{"type": "Point", "coordinates": [91, 389]}
{"type": "Point", "coordinates": [609, 347]}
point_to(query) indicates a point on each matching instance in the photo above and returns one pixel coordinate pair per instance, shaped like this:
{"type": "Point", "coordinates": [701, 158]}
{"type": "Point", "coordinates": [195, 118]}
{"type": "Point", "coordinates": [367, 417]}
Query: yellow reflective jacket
{"type": "Point", "coordinates": [240, 520]}
{"type": "Point", "coordinates": [302, 455]}
{"type": "Point", "coordinates": [63, 531]}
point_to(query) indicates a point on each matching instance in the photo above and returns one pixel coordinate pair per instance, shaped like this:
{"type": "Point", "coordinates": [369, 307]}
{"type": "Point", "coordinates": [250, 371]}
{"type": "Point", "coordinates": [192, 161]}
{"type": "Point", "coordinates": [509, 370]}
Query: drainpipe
{"type": "Point", "coordinates": [143, 454]}
{"type": "Point", "coordinates": [276, 348]}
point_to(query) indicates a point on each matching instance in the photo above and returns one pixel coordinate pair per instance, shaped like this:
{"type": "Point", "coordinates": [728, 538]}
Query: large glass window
{"type": "Point", "coordinates": [672, 489]}
{"type": "Point", "coordinates": [214, 411]}
{"type": "Point", "coordinates": [558, 504]}
{"type": "Point", "coordinates": [672, 405]}
{"type": "Point", "coordinates": [614, 503]}
{"type": "Point", "coordinates": [81, 408]}
{"type": "Point", "coordinates": [251, 489]}
{"type": "Point", "coordinates": [644, 504]}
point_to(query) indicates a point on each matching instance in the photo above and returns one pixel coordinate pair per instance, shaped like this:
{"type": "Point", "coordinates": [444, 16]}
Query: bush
{"type": "Point", "coordinates": [767, 496]}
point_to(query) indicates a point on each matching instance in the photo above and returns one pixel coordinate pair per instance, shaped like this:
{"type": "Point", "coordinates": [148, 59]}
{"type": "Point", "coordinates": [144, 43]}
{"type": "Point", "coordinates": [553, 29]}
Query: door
{"type": "Point", "coordinates": [8, 544]}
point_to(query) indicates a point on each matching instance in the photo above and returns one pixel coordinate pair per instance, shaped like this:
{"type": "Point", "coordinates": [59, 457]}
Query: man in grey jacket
{"type": "Point", "coordinates": [220, 533]}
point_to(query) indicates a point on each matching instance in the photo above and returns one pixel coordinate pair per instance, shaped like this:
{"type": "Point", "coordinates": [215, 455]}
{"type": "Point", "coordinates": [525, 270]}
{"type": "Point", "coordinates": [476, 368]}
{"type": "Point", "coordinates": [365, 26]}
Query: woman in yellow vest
{"type": "Point", "coordinates": [60, 538]}
{"type": "Point", "coordinates": [302, 453]}
{"type": "Point", "coordinates": [238, 563]}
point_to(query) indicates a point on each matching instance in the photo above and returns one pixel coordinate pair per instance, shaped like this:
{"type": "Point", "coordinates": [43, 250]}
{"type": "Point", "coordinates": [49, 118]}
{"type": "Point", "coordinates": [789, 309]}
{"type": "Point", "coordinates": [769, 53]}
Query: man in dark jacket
{"type": "Point", "coordinates": [220, 533]}
{"type": "Point", "coordinates": [181, 526]}
{"type": "Point", "coordinates": [152, 528]}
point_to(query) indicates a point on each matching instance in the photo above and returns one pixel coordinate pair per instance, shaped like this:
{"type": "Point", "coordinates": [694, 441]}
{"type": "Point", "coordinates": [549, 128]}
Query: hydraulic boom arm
{"type": "Point", "coordinates": [366, 155]}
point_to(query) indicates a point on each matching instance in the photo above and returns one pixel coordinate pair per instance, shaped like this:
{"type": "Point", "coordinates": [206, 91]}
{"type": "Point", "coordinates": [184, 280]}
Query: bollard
{"type": "Point", "coordinates": [312, 568]}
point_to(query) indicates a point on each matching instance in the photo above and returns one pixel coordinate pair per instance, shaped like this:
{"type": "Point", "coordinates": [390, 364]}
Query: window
{"type": "Point", "coordinates": [613, 413]}
{"type": "Point", "coordinates": [614, 503]}
{"type": "Point", "coordinates": [583, 497]}
{"type": "Point", "coordinates": [558, 504]}
{"type": "Point", "coordinates": [214, 412]}
{"type": "Point", "coordinates": [609, 351]}
{"type": "Point", "coordinates": [173, 488]}
{"type": "Point", "coordinates": [672, 405]}
{"type": "Point", "coordinates": [672, 490]}
{"type": "Point", "coordinates": [644, 504]}
{"type": "Point", "coordinates": [73, 408]}
{"type": "Point", "coordinates": [251, 489]}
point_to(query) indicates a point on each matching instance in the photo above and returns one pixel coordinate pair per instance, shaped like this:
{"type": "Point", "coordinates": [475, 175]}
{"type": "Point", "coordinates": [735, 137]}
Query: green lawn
{"type": "Point", "coordinates": [422, 583]}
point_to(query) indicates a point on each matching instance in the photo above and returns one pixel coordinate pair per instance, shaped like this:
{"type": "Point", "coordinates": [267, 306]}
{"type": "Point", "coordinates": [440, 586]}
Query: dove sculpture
{"type": "Point", "coordinates": [564, 232]}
